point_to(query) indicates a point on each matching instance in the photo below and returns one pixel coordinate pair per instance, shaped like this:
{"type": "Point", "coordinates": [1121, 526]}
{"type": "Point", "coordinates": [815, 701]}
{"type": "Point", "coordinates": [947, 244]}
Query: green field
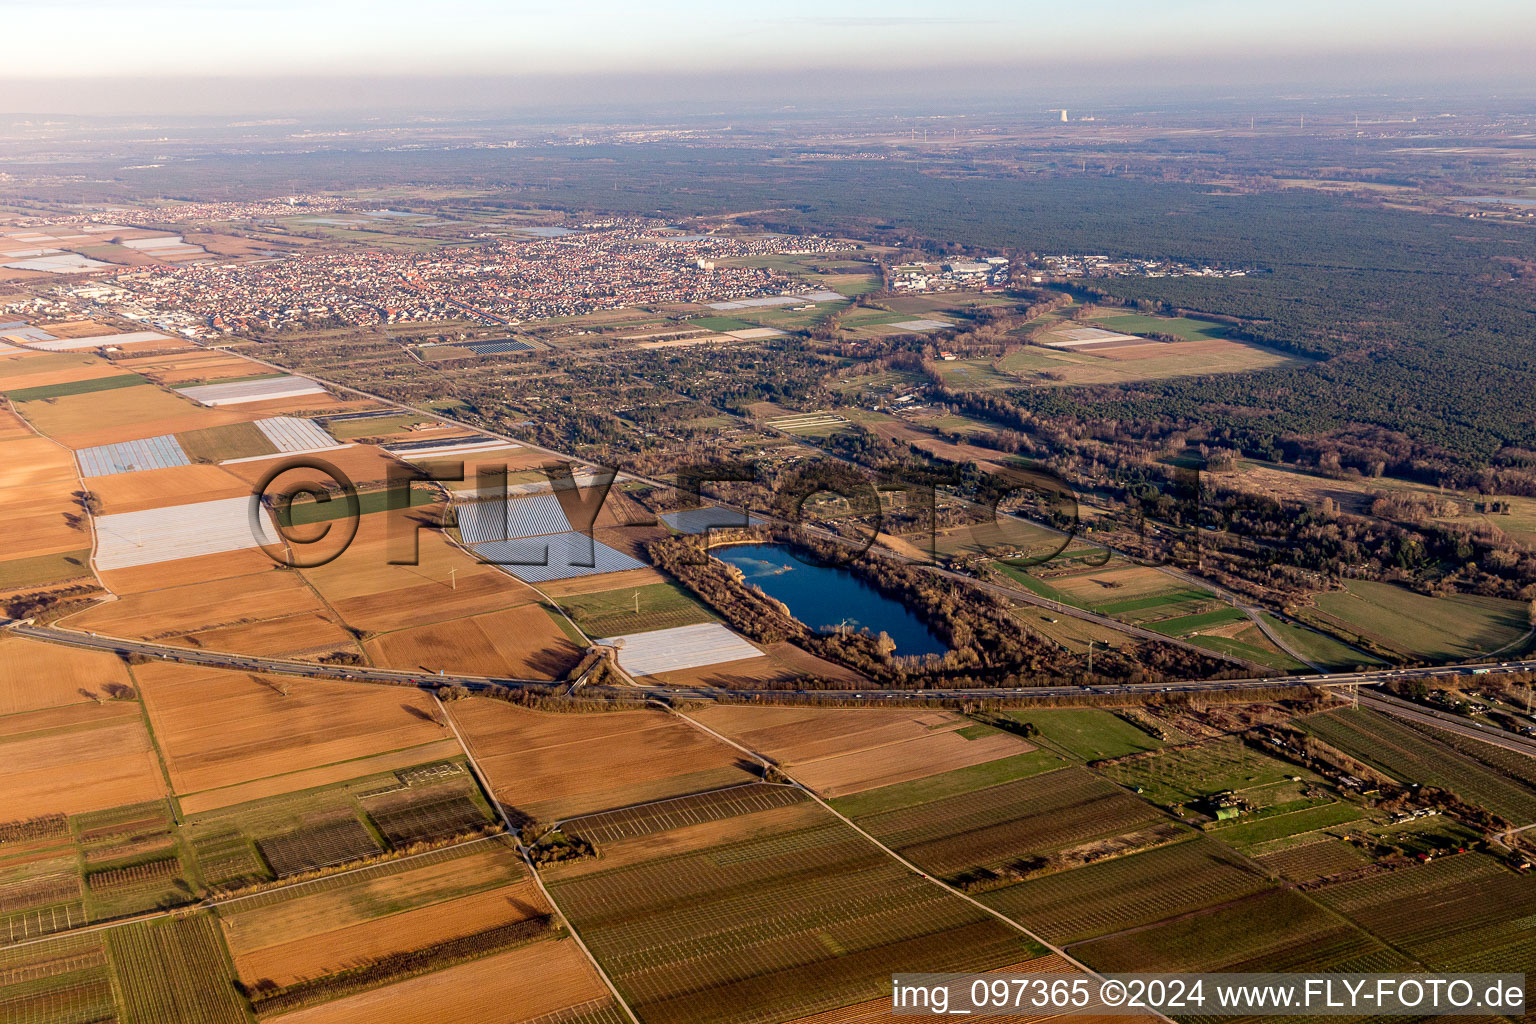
{"type": "Point", "coordinates": [306, 511]}
{"type": "Point", "coordinates": [1089, 733]}
{"type": "Point", "coordinates": [175, 969]}
{"type": "Point", "coordinates": [1186, 774]}
{"type": "Point", "coordinates": [614, 612]}
{"type": "Point", "coordinates": [1324, 650]}
{"type": "Point", "coordinates": [718, 323]}
{"type": "Point", "coordinates": [1395, 619]}
{"type": "Point", "coordinates": [40, 570]}
{"type": "Point", "coordinates": [1184, 625]}
{"type": "Point", "coordinates": [372, 426]}
{"type": "Point", "coordinates": [228, 441]}
{"type": "Point", "coordinates": [1183, 328]}
{"type": "Point", "coordinates": [948, 784]}
{"type": "Point", "coordinates": [78, 387]}
{"type": "Point", "coordinates": [1291, 823]}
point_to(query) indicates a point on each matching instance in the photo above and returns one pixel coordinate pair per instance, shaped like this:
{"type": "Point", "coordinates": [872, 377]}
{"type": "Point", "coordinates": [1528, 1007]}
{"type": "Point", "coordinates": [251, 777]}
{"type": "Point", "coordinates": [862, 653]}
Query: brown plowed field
{"type": "Point", "coordinates": [520, 984]}
{"type": "Point", "coordinates": [328, 950]}
{"type": "Point", "coordinates": [837, 752]}
{"type": "Point", "coordinates": [84, 757]}
{"type": "Point", "coordinates": [36, 675]}
{"type": "Point", "coordinates": [371, 594]}
{"type": "Point", "coordinates": [106, 417]}
{"type": "Point", "coordinates": [161, 488]}
{"type": "Point", "coordinates": [783, 662]}
{"type": "Point", "coordinates": [183, 571]}
{"type": "Point", "coordinates": [363, 464]}
{"type": "Point", "coordinates": [37, 479]}
{"type": "Point", "coordinates": [220, 728]}
{"type": "Point", "coordinates": [312, 778]}
{"type": "Point", "coordinates": [297, 634]}
{"type": "Point", "coordinates": [198, 606]}
{"type": "Point", "coordinates": [519, 642]}
{"type": "Point", "coordinates": [557, 765]}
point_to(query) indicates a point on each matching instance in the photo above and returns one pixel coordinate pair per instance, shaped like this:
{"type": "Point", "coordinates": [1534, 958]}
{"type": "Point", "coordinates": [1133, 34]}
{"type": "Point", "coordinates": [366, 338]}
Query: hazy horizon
{"type": "Point", "coordinates": [179, 57]}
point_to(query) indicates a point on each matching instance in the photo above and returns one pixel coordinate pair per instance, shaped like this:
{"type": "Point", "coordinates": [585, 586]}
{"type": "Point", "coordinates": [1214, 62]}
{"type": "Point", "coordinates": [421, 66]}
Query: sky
{"type": "Point", "coordinates": [587, 48]}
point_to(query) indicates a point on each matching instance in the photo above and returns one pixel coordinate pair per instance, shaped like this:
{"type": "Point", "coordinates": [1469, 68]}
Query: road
{"type": "Point", "coordinates": [1446, 722]}
{"type": "Point", "coordinates": [642, 691]}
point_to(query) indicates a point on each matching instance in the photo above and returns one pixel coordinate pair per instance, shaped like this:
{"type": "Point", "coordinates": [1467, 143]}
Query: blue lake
{"type": "Point", "coordinates": [824, 597]}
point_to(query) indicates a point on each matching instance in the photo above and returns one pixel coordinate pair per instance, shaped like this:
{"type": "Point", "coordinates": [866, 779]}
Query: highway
{"type": "Point", "coordinates": [654, 691]}
{"type": "Point", "coordinates": [1447, 722]}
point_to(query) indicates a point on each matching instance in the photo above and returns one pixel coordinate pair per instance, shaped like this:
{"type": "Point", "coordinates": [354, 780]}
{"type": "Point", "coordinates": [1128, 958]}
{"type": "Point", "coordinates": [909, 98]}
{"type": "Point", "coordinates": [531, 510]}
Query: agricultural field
{"type": "Point", "coordinates": [35, 675]}
{"type": "Point", "coordinates": [1272, 930]}
{"type": "Point", "coordinates": [1183, 328]}
{"type": "Point", "coordinates": [65, 980]}
{"type": "Point", "coordinates": [1088, 733]}
{"type": "Point", "coordinates": [1390, 620]}
{"type": "Point", "coordinates": [372, 811]}
{"type": "Point", "coordinates": [997, 826]}
{"type": "Point", "coordinates": [446, 583]}
{"type": "Point", "coordinates": [1071, 633]}
{"type": "Point", "coordinates": [546, 766]}
{"type": "Point", "coordinates": [77, 758]}
{"type": "Point", "coordinates": [838, 752]}
{"type": "Point", "coordinates": [1185, 775]}
{"type": "Point", "coordinates": [1409, 755]}
{"type": "Point", "coordinates": [1129, 892]}
{"type": "Point", "coordinates": [1284, 820]}
{"type": "Point", "coordinates": [544, 980]}
{"type": "Point", "coordinates": [320, 930]}
{"type": "Point", "coordinates": [222, 730]}
{"type": "Point", "coordinates": [524, 642]}
{"type": "Point", "coordinates": [43, 519]}
{"type": "Point", "coordinates": [1480, 919]}
{"type": "Point", "coordinates": [1129, 362]}
{"type": "Point", "coordinates": [1314, 855]}
{"type": "Point", "coordinates": [814, 902]}
{"type": "Point", "coordinates": [953, 783]}
{"type": "Point", "coordinates": [1145, 596]}
{"type": "Point", "coordinates": [634, 609]}
{"type": "Point", "coordinates": [264, 613]}
{"type": "Point", "coordinates": [174, 969]}
{"type": "Point", "coordinates": [681, 812]}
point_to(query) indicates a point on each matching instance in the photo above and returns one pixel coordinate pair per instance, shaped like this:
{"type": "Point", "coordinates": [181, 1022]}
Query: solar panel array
{"type": "Point", "coordinates": [568, 555]}
{"type": "Point", "coordinates": [161, 452]}
{"type": "Point", "coordinates": [179, 531]}
{"type": "Point", "coordinates": [491, 348]}
{"type": "Point", "coordinates": [710, 517]}
{"type": "Point", "coordinates": [292, 434]}
{"type": "Point", "coordinates": [671, 650]}
{"type": "Point", "coordinates": [531, 516]}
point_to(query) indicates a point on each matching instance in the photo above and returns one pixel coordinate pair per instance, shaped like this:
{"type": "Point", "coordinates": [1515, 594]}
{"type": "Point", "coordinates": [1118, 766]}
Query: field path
{"type": "Point", "coordinates": [490, 794]}
{"type": "Point", "coordinates": [898, 858]}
